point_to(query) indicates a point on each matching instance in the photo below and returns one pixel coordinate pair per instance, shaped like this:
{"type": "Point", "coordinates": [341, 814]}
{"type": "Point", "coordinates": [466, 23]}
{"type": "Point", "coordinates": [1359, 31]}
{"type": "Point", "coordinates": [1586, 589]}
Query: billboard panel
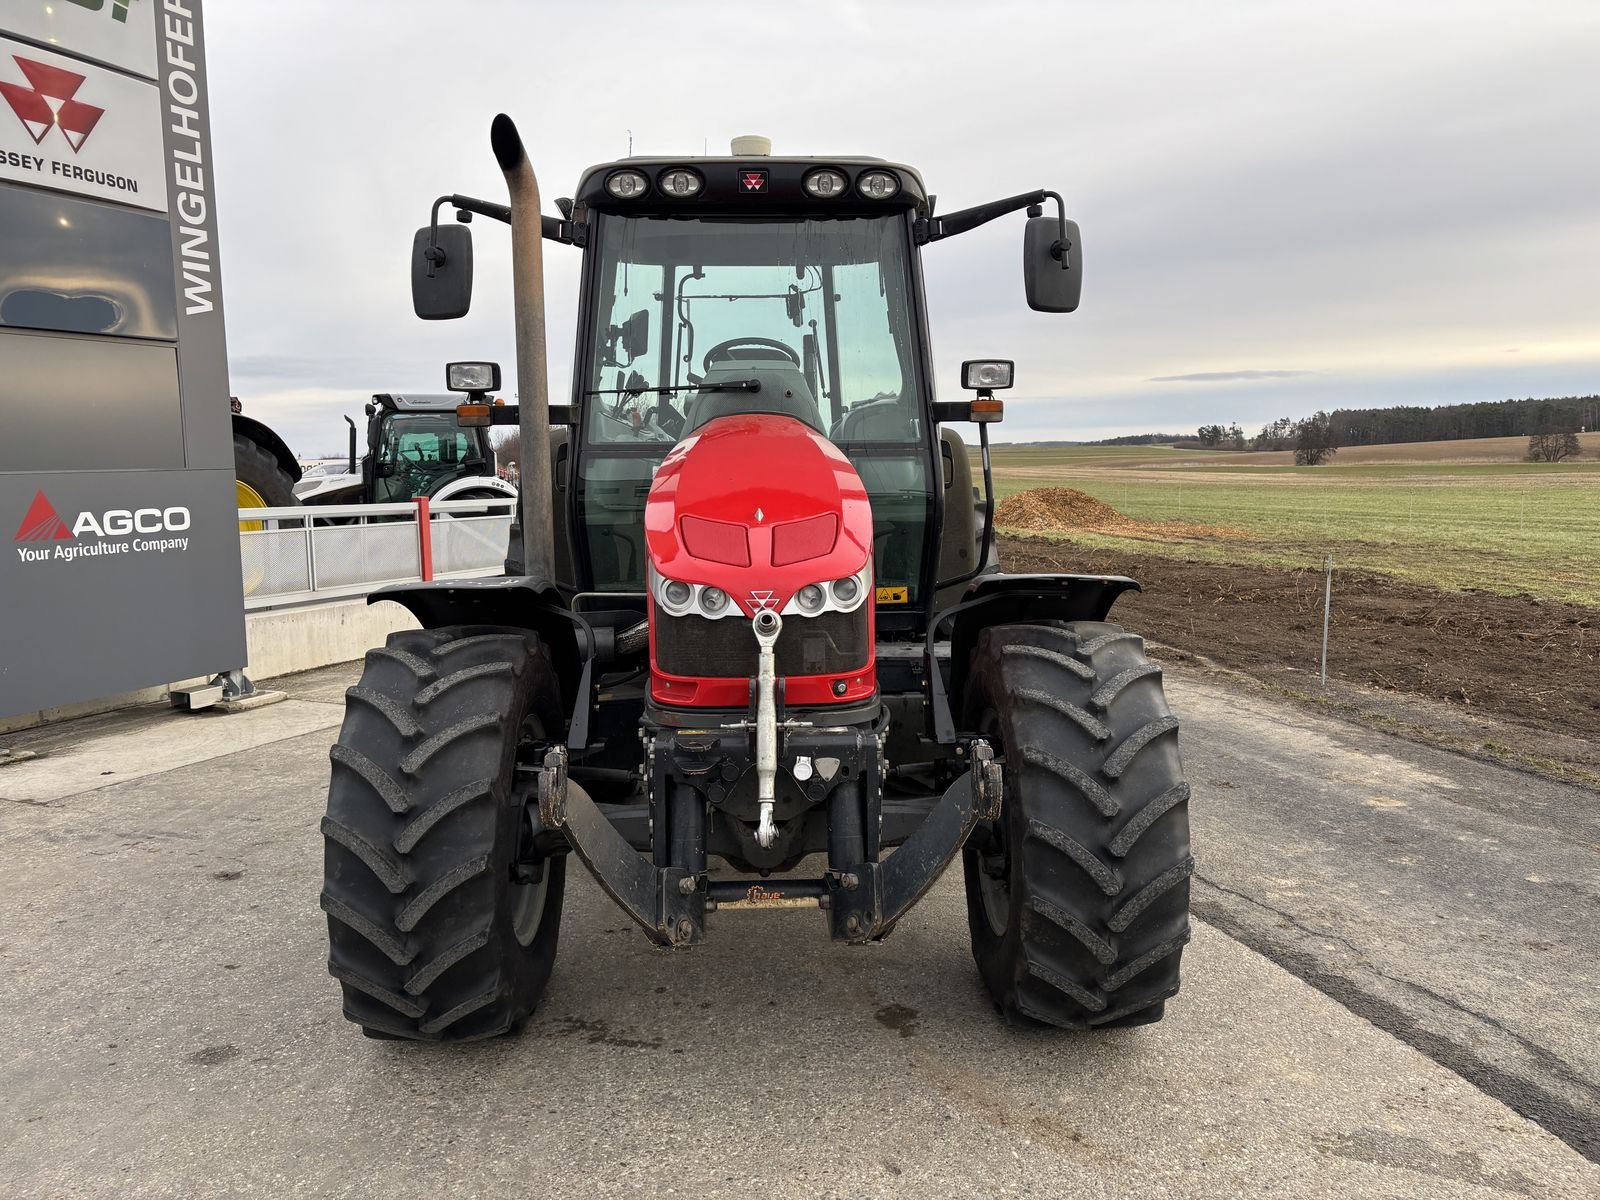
{"type": "Point", "coordinates": [120, 33]}
{"type": "Point", "coordinates": [120, 583]}
{"type": "Point", "coordinates": [75, 405]}
{"type": "Point", "coordinates": [119, 536]}
{"type": "Point", "coordinates": [77, 266]}
{"type": "Point", "coordinates": [76, 127]}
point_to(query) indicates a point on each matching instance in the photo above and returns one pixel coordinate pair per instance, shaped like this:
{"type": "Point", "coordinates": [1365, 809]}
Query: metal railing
{"type": "Point", "coordinates": [302, 555]}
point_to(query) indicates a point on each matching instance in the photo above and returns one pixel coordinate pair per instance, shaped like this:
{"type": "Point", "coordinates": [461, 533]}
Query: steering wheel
{"type": "Point", "coordinates": [726, 350]}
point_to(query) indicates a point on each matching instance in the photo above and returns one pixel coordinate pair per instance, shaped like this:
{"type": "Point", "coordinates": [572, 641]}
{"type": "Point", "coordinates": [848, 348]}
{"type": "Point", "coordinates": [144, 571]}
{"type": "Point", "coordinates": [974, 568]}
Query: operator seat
{"type": "Point", "coordinates": [881, 419]}
{"type": "Point", "coordinates": [783, 391]}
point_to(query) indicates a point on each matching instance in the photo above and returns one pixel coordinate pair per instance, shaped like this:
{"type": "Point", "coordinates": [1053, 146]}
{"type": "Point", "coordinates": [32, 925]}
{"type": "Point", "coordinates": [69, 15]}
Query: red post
{"type": "Point", "coordinates": [424, 538]}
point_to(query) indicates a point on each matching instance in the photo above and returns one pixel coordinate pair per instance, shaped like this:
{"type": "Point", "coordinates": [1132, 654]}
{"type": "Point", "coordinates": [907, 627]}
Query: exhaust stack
{"type": "Point", "coordinates": [533, 384]}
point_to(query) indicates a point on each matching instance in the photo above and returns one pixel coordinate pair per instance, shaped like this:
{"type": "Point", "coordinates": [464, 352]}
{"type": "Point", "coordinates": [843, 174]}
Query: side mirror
{"type": "Point", "coordinates": [1052, 277]}
{"type": "Point", "coordinates": [441, 272]}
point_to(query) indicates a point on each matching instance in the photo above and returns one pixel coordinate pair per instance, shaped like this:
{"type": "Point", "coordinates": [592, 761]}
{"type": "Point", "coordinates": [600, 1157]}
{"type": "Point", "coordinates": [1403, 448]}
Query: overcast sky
{"type": "Point", "coordinates": [1284, 206]}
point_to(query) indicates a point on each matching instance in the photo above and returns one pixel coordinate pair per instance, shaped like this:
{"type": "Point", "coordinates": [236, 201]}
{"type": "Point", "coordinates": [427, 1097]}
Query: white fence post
{"type": "Point", "coordinates": [1327, 608]}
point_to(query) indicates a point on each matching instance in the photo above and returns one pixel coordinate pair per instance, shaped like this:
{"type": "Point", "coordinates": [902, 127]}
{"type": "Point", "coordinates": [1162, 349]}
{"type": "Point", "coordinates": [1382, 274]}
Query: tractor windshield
{"type": "Point", "coordinates": [689, 301]}
{"type": "Point", "coordinates": [421, 452]}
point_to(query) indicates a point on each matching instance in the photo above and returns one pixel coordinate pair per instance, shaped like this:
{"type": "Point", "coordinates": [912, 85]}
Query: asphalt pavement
{"type": "Point", "coordinates": [1451, 901]}
{"type": "Point", "coordinates": [169, 1028]}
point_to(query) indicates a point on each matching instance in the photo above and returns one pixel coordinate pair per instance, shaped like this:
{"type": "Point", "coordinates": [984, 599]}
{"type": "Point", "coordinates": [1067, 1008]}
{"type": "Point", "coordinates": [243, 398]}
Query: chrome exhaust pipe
{"type": "Point", "coordinates": [533, 385]}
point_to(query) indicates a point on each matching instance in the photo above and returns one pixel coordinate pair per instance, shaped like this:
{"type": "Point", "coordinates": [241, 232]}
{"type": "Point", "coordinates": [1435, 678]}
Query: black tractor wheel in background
{"type": "Point", "coordinates": [435, 931]}
{"type": "Point", "coordinates": [261, 481]}
{"type": "Point", "coordinates": [1078, 897]}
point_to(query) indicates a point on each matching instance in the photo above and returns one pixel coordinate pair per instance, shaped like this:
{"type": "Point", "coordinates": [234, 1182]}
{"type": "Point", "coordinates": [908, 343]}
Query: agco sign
{"type": "Point", "coordinates": [119, 530]}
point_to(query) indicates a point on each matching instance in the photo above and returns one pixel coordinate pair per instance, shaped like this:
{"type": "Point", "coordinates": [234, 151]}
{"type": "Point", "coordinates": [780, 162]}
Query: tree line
{"type": "Point", "coordinates": [1502, 418]}
{"type": "Point", "coordinates": [1414, 423]}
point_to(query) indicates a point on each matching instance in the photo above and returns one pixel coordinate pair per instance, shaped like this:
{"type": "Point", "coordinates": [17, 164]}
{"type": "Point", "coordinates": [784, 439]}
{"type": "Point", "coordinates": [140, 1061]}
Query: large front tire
{"type": "Point", "coordinates": [1078, 897]}
{"type": "Point", "coordinates": [259, 480]}
{"type": "Point", "coordinates": [435, 930]}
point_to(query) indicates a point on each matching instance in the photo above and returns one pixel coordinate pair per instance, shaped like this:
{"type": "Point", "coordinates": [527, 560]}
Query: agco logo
{"type": "Point", "coordinates": [42, 523]}
{"type": "Point", "coordinates": [48, 103]}
{"type": "Point", "coordinates": [122, 531]}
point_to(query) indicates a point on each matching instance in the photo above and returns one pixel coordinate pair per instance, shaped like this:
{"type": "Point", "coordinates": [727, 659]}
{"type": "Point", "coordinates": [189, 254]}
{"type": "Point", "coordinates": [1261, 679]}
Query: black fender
{"type": "Point", "coordinates": [998, 599]}
{"type": "Point", "coordinates": [536, 605]}
{"type": "Point", "coordinates": [274, 445]}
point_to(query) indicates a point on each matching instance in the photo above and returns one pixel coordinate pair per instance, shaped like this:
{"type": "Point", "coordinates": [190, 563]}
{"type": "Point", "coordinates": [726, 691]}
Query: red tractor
{"type": "Point", "coordinates": [754, 634]}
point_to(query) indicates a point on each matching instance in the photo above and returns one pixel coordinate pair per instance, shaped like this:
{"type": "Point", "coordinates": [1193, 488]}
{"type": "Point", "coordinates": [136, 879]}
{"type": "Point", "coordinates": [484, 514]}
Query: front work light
{"type": "Point", "coordinates": [825, 184]}
{"type": "Point", "coordinates": [679, 182]}
{"type": "Point", "coordinates": [677, 594]}
{"type": "Point", "coordinates": [878, 185]}
{"type": "Point", "coordinates": [987, 374]}
{"type": "Point", "coordinates": [472, 376]}
{"type": "Point", "coordinates": [627, 185]}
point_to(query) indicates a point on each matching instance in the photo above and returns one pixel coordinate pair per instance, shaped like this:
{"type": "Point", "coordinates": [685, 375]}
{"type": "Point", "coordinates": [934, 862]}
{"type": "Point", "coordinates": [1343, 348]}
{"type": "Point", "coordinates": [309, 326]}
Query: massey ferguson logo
{"type": "Point", "coordinates": [753, 181]}
{"type": "Point", "coordinates": [48, 103]}
{"type": "Point", "coordinates": [759, 601]}
{"type": "Point", "coordinates": [120, 530]}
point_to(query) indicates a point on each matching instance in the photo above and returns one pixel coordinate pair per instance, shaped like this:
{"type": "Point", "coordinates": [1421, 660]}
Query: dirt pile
{"type": "Point", "coordinates": [1063, 510]}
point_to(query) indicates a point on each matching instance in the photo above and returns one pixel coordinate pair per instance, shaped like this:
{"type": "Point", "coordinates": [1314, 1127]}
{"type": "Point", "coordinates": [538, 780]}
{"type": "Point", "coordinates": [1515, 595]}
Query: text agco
{"type": "Point", "coordinates": [119, 521]}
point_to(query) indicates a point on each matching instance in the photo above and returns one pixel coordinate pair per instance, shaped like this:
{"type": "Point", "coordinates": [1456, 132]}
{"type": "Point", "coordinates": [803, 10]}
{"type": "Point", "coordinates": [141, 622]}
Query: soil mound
{"type": "Point", "coordinates": [1062, 510]}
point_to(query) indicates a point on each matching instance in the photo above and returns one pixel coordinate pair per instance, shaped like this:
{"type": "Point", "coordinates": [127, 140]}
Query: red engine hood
{"type": "Point", "coordinates": [753, 474]}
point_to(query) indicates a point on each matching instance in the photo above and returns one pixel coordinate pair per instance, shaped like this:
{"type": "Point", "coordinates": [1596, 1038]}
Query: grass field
{"type": "Point", "coordinates": [1452, 514]}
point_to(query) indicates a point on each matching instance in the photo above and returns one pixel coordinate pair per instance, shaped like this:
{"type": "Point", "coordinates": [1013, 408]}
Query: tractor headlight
{"type": "Point", "coordinates": [680, 182]}
{"type": "Point", "coordinates": [679, 599]}
{"type": "Point", "coordinates": [627, 185]}
{"type": "Point", "coordinates": [825, 184]}
{"type": "Point", "coordinates": [674, 597]}
{"type": "Point", "coordinates": [878, 185]}
{"type": "Point", "coordinates": [838, 595]}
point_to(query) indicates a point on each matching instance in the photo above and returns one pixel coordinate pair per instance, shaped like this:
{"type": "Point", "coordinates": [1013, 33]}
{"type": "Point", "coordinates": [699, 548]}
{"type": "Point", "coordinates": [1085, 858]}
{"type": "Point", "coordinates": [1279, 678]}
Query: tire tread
{"type": "Point", "coordinates": [1095, 821]}
{"type": "Point", "coordinates": [421, 831]}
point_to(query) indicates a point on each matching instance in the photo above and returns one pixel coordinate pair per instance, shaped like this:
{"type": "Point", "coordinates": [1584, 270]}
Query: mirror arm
{"type": "Point", "coordinates": [1061, 251]}
{"type": "Point", "coordinates": [551, 228]}
{"type": "Point", "coordinates": [934, 229]}
{"type": "Point", "coordinates": [982, 214]}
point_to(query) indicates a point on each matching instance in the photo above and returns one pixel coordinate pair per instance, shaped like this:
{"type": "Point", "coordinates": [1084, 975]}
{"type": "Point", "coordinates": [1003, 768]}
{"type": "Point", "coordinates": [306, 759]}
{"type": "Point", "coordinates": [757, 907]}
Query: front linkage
{"type": "Point", "coordinates": [838, 770]}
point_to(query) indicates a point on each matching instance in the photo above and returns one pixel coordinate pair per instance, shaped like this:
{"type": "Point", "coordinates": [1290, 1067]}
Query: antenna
{"type": "Point", "coordinates": [630, 143]}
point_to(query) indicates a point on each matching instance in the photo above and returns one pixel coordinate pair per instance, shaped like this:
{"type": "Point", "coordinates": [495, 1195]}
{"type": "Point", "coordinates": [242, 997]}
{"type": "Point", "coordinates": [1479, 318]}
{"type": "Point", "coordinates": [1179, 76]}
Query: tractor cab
{"type": "Point", "coordinates": [757, 284]}
{"type": "Point", "coordinates": [415, 447]}
{"type": "Point", "coordinates": [798, 298]}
